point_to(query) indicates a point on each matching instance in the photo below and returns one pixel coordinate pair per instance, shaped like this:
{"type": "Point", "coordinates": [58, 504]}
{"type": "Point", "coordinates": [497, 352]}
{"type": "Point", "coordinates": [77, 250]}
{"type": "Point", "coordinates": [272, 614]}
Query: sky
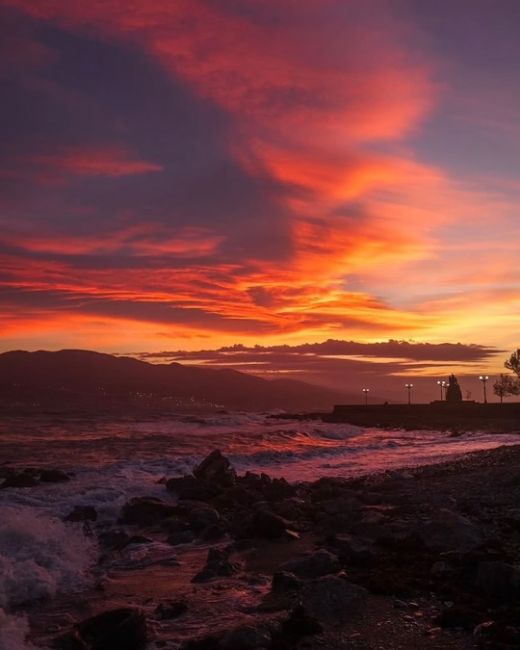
{"type": "Point", "coordinates": [179, 178]}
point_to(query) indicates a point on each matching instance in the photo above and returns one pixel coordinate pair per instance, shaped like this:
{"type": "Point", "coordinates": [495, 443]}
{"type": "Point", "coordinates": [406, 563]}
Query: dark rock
{"type": "Point", "coordinates": [498, 581]}
{"type": "Point", "coordinates": [246, 637]}
{"type": "Point", "coordinates": [299, 623]}
{"type": "Point", "coordinates": [313, 565]}
{"type": "Point", "coordinates": [82, 513]}
{"type": "Point", "coordinates": [20, 480]}
{"type": "Point", "coordinates": [331, 597]}
{"type": "Point", "coordinates": [278, 489]}
{"type": "Point", "coordinates": [114, 539]}
{"type": "Point", "coordinates": [137, 540]}
{"type": "Point", "coordinates": [216, 469]}
{"type": "Point", "coordinates": [188, 487]}
{"type": "Point", "coordinates": [171, 609]}
{"type": "Point", "coordinates": [53, 476]}
{"type": "Point", "coordinates": [351, 550]}
{"type": "Point", "coordinates": [217, 565]}
{"type": "Point", "coordinates": [448, 530]}
{"type": "Point", "coordinates": [202, 517]}
{"type": "Point", "coordinates": [265, 524]}
{"type": "Point", "coordinates": [180, 537]}
{"type": "Point", "coordinates": [124, 629]}
{"type": "Point", "coordinates": [146, 511]}
{"type": "Point", "coordinates": [213, 532]}
{"type": "Point", "coordinates": [284, 581]}
{"type": "Point", "coordinates": [458, 616]}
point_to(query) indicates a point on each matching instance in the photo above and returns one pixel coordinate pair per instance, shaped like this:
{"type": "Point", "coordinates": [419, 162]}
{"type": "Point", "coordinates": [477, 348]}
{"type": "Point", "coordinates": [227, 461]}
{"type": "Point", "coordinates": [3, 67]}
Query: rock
{"type": "Point", "coordinates": [20, 480]}
{"type": "Point", "coordinates": [313, 565]}
{"type": "Point", "coordinates": [170, 609]}
{"type": "Point", "coordinates": [180, 537]}
{"type": "Point", "coordinates": [284, 581]}
{"type": "Point", "coordinates": [266, 524]}
{"type": "Point", "coordinates": [278, 489]}
{"type": "Point", "coordinates": [448, 530]}
{"type": "Point", "coordinates": [351, 550]}
{"type": "Point", "coordinates": [217, 565]}
{"type": "Point", "coordinates": [372, 525]}
{"type": "Point", "coordinates": [458, 616]}
{"type": "Point", "coordinates": [300, 623]}
{"type": "Point", "coordinates": [202, 517]}
{"type": "Point", "coordinates": [124, 629]}
{"type": "Point", "coordinates": [213, 532]}
{"type": "Point", "coordinates": [146, 511]}
{"type": "Point", "coordinates": [498, 581]}
{"type": "Point", "coordinates": [82, 513]}
{"type": "Point", "coordinates": [331, 597]}
{"type": "Point", "coordinates": [216, 469]}
{"type": "Point", "coordinates": [188, 487]}
{"type": "Point", "coordinates": [246, 637]}
{"type": "Point", "coordinates": [53, 476]}
{"type": "Point", "coordinates": [114, 539]}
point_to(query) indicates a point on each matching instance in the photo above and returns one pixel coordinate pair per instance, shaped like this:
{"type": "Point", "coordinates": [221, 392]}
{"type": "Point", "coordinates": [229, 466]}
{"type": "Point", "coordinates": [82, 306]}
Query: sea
{"type": "Point", "coordinates": [112, 459]}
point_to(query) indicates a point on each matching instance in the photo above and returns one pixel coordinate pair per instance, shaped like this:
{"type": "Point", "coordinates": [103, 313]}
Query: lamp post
{"type": "Point", "coordinates": [366, 391]}
{"type": "Point", "coordinates": [483, 379]}
{"type": "Point", "coordinates": [442, 384]}
{"type": "Point", "coordinates": [409, 389]}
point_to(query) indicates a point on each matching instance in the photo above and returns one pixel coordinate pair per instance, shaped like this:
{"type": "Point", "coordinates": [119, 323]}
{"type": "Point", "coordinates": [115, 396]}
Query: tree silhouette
{"type": "Point", "coordinates": [513, 363]}
{"type": "Point", "coordinates": [505, 386]}
{"type": "Point", "coordinates": [453, 392]}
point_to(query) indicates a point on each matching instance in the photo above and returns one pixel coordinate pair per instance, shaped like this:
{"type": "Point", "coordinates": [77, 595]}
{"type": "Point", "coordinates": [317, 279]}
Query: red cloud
{"type": "Point", "coordinates": [110, 161]}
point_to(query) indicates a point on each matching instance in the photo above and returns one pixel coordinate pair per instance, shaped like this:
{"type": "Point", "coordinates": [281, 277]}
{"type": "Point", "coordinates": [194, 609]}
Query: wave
{"type": "Point", "coordinates": [14, 631]}
{"type": "Point", "coordinates": [40, 556]}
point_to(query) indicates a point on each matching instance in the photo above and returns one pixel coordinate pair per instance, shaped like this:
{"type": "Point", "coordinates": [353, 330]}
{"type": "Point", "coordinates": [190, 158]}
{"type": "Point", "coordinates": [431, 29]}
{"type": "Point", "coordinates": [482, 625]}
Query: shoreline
{"type": "Point", "coordinates": [410, 557]}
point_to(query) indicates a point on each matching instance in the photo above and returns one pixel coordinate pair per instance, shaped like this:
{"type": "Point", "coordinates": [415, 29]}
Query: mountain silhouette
{"type": "Point", "coordinates": [81, 378]}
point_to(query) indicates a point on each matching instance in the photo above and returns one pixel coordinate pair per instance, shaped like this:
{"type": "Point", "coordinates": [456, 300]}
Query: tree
{"type": "Point", "coordinates": [505, 386]}
{"type": "Point", "coordinates": [453, 392]}
{"type": "Point", "coordinates": [513, 363]}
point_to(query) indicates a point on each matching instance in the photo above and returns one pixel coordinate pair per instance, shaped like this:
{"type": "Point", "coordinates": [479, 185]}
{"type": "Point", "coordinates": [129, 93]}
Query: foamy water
{"type": "Point", "coordinates": [115, 460]}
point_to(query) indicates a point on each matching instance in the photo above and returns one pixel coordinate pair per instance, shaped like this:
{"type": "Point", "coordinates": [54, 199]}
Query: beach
{"type": "Point", "coordinates": [203, 551]}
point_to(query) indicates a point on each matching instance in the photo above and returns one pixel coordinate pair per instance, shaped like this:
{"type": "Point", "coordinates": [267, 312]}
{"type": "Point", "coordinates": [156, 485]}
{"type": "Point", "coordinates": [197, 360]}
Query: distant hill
{"type": "Point", "coordinates": [82, 379]}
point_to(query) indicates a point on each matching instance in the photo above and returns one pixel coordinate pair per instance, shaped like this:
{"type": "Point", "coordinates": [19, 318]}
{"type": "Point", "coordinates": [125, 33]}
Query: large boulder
{"type": "Point", "coordinates": [123, 628]}
{"type": "Point", "coordinates": [191, 488]}
{"type": "Point", "coordinates": [203, 516]}
{"type": "Point", "coordinates": [82, 513]}
{"type": "Point", "coordinates": [449, 531]}
{"type": "Point", "coordinates": [246, 637]}
{"type": "Point", "coordinates": [53, 476]}
{"type": "Point", "coordinates": [146, 511]}
{"type": "Point", "coordinates": [24, 479]}
{"type": "Point", "coordinates": [498, 581]}
{"type": "Point", "coordinates": [331, 597]}
{"type": "Point", "coordinates": [313, 565]}
{"type": "Point", "coordinates": [267, 525]}
{"type": "Point", "coordinates": [217, 565]}
{"type": "Point", "coordinates": [216, 469]}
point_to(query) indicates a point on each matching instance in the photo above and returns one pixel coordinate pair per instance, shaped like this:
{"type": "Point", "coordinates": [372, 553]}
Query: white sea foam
{"type": "Point", "coordinates": [13, 632]}
{"type": "Point", "coordinates": [39, 556]}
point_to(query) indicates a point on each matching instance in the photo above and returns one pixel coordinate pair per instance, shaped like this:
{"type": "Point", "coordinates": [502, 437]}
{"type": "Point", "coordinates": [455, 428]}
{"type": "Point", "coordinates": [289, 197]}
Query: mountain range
{"type": "Point", "coordinates": [69, 379]}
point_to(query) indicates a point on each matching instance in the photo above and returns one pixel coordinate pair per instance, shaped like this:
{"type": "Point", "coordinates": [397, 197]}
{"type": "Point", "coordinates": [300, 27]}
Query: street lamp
{"type": "Point", "coordinates": [483, 379]}
{"type": "Point", "coordinates": [409, 389]}
{"type": "Point", "coordinates": [442, 384]}
{"type": "Point", "coordinates": [366, 391]}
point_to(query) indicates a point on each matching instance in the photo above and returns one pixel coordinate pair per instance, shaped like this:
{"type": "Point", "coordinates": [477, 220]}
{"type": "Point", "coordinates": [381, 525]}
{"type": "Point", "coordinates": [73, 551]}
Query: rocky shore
{"type": "Point", "coordinates": [424, 557]}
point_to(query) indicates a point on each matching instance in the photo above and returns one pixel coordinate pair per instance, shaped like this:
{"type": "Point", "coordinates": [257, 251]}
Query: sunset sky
{"type": "Point", "coordinates": [186, 175]}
